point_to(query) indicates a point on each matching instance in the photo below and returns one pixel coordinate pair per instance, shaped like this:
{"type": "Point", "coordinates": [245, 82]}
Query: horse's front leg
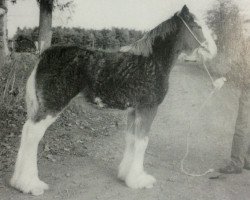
{"type": "Point", "coordinates": [136, 146]}
{"type": "Point", "coordinates": [129, 148]}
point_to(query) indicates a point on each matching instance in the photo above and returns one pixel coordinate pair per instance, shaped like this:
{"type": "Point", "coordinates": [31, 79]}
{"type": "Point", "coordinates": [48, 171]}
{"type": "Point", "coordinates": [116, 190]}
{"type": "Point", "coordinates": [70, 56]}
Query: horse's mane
{"type": "Point", "coordinates": [143, 46]}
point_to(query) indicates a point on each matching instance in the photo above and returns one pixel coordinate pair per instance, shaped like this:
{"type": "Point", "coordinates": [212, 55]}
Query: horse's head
{"type": "Point", "coordinates": [195, 36]}
{"type": "Point", "coordinates": [182, 33]}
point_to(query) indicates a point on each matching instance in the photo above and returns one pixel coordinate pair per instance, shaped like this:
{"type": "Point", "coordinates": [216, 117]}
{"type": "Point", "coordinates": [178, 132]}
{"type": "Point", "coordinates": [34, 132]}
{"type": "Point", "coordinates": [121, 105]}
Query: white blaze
{"type": "Point", "coordinates": [210, 49]}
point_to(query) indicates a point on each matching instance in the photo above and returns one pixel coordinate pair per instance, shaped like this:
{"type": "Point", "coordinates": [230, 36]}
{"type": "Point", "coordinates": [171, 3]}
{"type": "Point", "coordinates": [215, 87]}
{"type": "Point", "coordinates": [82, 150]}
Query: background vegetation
{"type": "Point", "coordinates": [224, 19]}
{"type": "Point", "coordinates": [106, 39]}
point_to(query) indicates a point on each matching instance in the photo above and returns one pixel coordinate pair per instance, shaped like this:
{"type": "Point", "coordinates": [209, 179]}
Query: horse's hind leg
{"type": "Point", "coordinates": [135, 176]}
{"type": "Point", "coordinates": [25, 176]}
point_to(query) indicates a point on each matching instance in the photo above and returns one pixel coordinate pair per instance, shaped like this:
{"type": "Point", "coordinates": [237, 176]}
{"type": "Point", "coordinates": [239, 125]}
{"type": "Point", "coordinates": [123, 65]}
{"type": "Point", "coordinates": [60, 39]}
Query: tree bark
{"type": "Point", "coordinates": [45, 25]}
{"type": "Point", "coordinates": [4, 51]}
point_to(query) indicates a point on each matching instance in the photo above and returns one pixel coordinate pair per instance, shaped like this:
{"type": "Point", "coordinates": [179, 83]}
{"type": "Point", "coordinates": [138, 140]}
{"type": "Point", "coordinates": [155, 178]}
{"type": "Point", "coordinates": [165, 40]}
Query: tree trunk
{"type": "Point", "coordinates": [45, 25]}
{"type": "Point", "coordinates": [4, 51]}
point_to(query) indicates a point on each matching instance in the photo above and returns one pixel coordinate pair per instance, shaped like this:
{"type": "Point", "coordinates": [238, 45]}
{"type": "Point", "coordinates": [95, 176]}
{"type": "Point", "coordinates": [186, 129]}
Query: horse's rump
{"type": "Point", "coordinates": [58, 79]}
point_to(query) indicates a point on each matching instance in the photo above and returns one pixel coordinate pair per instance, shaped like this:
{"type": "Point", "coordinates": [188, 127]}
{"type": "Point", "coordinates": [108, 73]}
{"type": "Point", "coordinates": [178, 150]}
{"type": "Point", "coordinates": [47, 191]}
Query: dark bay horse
{"type": "Point", "coordinates": [136, 77]}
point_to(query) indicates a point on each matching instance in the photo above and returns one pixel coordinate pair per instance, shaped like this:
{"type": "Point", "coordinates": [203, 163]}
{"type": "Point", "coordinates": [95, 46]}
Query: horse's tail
{"type": "Point", "coordinates": [31, 96]}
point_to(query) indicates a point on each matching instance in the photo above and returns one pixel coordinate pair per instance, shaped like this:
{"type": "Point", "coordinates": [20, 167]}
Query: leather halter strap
{"type": "Point", "coordinates": [192, 33]}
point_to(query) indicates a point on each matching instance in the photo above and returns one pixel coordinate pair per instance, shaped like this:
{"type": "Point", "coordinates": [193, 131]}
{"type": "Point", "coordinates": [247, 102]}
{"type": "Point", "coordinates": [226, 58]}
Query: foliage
{"type": "Point", "coordinates": [233, 57]}
{"type": "Point", "coordinates": [225, 20]}
{"type": "Point", "coordinates": [61, 5]}
{"type": "Point", "coordinates": [107, 39]}
{"type": "Point", "coordinates": [13, 77]}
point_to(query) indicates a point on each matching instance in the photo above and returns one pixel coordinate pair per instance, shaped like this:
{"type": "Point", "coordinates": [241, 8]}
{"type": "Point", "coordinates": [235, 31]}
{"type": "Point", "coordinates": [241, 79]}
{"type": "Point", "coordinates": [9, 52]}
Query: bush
{"type": "Point", "coordinates": [13, 77]}
{"type": "Point", "coordinates": [107, 39]}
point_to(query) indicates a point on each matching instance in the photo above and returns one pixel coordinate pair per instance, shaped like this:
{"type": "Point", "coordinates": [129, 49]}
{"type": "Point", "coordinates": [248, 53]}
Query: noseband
{"type": "Point", "coordinates": [192, 33]}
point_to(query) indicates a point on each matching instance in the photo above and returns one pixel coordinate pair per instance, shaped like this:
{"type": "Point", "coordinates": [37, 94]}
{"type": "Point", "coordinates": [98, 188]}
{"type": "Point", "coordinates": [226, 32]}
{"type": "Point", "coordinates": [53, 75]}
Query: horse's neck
{"type": "Point", "coordinates": [166, 51]}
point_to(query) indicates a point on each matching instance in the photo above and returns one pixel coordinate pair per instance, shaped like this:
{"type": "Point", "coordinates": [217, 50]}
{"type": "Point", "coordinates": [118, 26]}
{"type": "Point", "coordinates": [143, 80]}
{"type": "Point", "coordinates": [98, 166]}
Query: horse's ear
{"type": "Point", "coordinates": [185, 10]}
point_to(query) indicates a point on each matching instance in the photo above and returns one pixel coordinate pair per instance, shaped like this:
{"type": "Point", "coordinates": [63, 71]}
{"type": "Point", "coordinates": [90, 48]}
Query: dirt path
{"type": "Point", "coordinates": [94, 176]}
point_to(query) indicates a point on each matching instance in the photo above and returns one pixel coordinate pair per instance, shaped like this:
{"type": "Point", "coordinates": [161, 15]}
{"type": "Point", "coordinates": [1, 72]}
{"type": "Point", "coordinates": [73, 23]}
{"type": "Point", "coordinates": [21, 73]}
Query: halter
{"type": "Point", "coordinates": [201, 45]}
{"type": "Point", "coordinates": [192, 33]}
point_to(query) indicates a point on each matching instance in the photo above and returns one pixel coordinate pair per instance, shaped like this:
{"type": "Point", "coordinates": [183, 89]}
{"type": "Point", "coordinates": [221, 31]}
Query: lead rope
{"type": "Point", "coordinates": [202, 106]}
{"type": "Point", "coordinates": [189, 132]}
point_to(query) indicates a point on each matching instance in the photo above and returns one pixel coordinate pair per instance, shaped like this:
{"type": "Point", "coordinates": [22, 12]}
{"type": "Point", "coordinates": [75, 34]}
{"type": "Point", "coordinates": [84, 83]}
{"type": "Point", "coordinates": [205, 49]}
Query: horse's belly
{"type": "Point", "coordinates": [125, 97]}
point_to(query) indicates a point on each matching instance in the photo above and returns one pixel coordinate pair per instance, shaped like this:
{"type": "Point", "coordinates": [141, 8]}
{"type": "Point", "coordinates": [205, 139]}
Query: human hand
{"type": "Point", "coordinates": [218, 83]}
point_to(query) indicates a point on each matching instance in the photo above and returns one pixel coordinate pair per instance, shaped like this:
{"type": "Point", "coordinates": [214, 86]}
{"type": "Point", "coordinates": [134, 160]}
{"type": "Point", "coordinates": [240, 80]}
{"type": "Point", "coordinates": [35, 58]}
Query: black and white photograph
{"type": "Point", "coordinates": [125, 99]}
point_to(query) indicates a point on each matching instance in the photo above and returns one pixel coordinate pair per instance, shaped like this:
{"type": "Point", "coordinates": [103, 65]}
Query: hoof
{"type": "Point", "coordinates": [32, 185]}
{"type": "Point", "coordinates": [142, 180]}
{"type": "Point", "coordinates": [121, 175]}
{"type": "Point", "coordinates": [123, 172]}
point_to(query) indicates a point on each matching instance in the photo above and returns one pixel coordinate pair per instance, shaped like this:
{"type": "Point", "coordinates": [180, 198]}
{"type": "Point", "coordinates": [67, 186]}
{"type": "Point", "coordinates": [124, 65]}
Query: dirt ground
{"type": "Point", "coordinates": [93, 174]}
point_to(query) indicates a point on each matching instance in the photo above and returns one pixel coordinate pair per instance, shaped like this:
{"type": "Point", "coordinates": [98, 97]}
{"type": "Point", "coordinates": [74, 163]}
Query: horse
{"type": "Point", "coordinates": [135, 79]}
